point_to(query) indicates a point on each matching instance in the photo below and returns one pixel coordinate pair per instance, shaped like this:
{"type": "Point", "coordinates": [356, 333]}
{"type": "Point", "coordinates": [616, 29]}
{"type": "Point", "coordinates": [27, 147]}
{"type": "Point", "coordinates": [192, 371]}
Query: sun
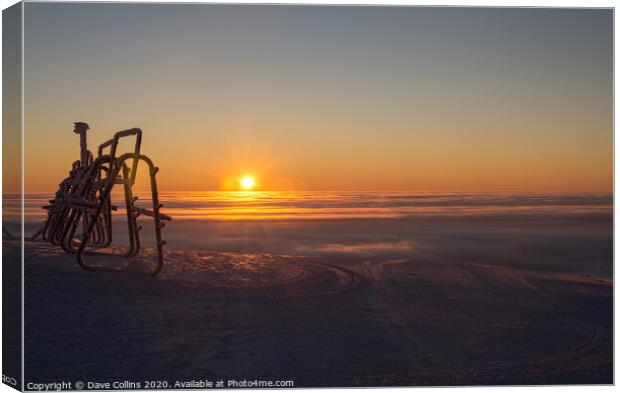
{"type": "Point", "coordinates": [247, 183]}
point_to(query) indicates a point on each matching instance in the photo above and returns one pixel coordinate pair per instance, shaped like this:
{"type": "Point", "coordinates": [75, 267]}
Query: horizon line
{"type": "Point", "coordinates": [457, 192]}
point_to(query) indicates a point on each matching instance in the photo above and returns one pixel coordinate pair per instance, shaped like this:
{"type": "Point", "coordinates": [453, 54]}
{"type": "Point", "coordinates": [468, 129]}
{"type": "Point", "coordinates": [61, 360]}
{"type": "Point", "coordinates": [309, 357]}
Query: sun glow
{"type": "Point", "coordinates": [247, 183]}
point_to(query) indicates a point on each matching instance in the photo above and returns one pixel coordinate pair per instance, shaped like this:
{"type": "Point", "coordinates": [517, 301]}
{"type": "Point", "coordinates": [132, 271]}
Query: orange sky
{"type": "Point", "coordinates": [313, 98]}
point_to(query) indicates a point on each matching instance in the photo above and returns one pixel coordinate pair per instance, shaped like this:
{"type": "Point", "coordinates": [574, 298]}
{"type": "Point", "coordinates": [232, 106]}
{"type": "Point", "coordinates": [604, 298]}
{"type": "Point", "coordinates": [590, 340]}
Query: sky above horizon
{"type": "Point", "coordinates": [327, 97]}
